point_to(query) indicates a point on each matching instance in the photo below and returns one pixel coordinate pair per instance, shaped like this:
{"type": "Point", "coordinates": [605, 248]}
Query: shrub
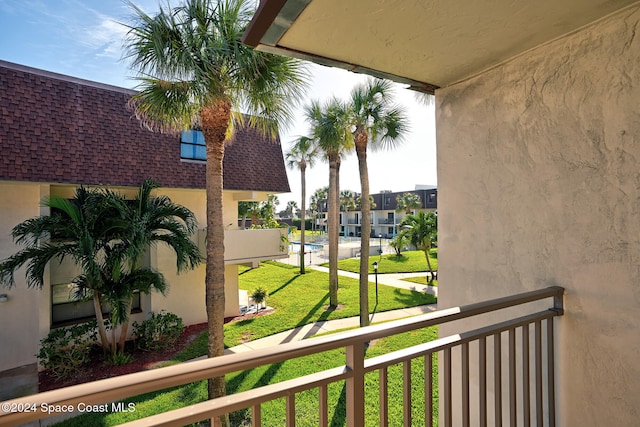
{"type": "Point", "coordinates": [119, 359]}
{"type": "Point", "coordinates": [158, 332]}
{"type": "Point", "coordinates": [66, 349]}
{"type": "Point", "coordinates": [240, 418]}
{"type": "Point", "coordinates": [297, 223]}
{"type": "Point", "coordinates": [259, 295]}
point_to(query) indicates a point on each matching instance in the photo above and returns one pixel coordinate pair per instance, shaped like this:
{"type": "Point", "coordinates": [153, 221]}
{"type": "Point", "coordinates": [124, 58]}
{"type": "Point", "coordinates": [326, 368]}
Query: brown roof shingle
{"type": "Point", "coordinates": [59, 129]}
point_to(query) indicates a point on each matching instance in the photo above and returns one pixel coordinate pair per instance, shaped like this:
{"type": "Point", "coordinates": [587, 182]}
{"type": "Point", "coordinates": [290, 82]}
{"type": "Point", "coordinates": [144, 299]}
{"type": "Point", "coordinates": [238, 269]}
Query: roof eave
{"type": "Point", "coordinates": [274, 17]}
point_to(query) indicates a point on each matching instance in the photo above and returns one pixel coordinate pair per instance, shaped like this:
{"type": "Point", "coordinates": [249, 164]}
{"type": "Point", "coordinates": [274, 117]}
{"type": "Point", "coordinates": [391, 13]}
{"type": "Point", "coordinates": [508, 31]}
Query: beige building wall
{"type": "Point", "coordinates": [186, 293]}
{"type": "Point", "coordinates": [539, 185]}
{"type": "Point", "coordinates": [20, 315]}
{"type": "Point", "coordinates": [26, 316]}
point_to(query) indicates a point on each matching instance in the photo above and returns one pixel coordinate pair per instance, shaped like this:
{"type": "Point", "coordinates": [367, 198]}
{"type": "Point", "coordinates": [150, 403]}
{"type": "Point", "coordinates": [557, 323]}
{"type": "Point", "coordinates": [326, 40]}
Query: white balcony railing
{"type": "Point", "coordinates": [250, 245]}
{"type": "Point", "coordinates": [528, 392]}
{"type": "Point", "coordinates": [254, 245]}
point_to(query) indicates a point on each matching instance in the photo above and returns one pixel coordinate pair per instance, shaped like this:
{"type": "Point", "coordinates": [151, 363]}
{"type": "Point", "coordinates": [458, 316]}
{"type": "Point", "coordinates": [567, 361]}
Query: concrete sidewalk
{"type": "Point", "coordinates": [312, 329]}
{"type": "Point", "coordinates": [389, 279]}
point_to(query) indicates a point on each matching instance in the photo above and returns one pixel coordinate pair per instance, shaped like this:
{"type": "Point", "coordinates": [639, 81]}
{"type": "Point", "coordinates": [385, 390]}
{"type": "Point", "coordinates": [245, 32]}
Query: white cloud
{"type": "Point", "coordinates": [105, 37]}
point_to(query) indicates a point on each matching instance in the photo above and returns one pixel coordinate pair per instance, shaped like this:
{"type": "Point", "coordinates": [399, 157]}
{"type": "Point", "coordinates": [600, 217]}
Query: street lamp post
{"type": "Point", "coordinates": [380, 243]}
{"type": "Point", "coordinates": [375, 271]}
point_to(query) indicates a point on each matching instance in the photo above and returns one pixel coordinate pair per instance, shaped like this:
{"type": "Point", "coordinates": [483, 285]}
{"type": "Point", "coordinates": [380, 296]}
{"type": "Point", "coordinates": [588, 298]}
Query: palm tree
{"type": "Point", "coordinates": [347, 201]}
{"type": "Point", "coordinates": [372, 204]}
{"type": "Point", "coordinates": [330, 127]}
{"type": "Point", "coordinates": [243, 211]}
{"type": "Point", "coordinates": [255, 212]}
{"type": "Point", "coordinates": [149, 220]}
{"type": "Point", "coordinates": [194, 68]}
{"type": "Point", "coordinates": [117, 287]}
{"type": "Point", "coordinates": [421, 230]}
{"type": "Point", "coordinates": [106, 236]}
{"type": "Point", "coordinates": [268, 211]}
{"type": "Point", "coordinates": [379, 124]}
{"type": "Point", "coordinates": [399, 242]}
{"type": "Point", "coordinates": [318, 198]}
{"type": "Point", "coordinates": [302, 154]}
{"type": "Point", "coordinates": [79, 228]}
{"type": "Point", "coordinates": [406, 202]}
{"type": "Point", "coordinates": [292, 207]}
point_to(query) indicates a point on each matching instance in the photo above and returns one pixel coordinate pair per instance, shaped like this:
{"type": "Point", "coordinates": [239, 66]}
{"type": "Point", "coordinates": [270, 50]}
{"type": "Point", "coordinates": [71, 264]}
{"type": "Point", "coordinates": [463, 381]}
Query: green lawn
{"type": "Point", "coordinates": [302, 299]}
{"type": "Point", "coordinates": [298, 300]}
{"type": "Point", "coordinates": [273, 413]}
{"type": "Point", "coordinates": [409, 262]}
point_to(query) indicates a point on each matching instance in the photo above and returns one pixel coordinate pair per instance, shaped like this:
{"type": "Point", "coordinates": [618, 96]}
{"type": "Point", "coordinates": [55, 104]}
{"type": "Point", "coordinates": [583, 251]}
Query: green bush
{"type": "Point", "coordinates": [66, 349]}
{"type": "Point", "coordinates": [297, 223]}
{"type": "Point", "coordinates": [259, 295]}
{"type": "Point", "coordinates": [158, 332]}
{"type": "Point", "coordinates": [119, 359]}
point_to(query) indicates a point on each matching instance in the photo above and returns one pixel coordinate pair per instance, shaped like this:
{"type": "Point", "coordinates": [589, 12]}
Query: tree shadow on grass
{"type": "Point", "coordinates": [284, 285]}
{"type": "Point", "coordinates": [235, 384]}
{"type": "Point", "coordinates": [414, 298]}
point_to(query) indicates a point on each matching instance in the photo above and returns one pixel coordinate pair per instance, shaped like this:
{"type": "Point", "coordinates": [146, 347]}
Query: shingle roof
{"type": "Point", "coordinates": [60, 129]}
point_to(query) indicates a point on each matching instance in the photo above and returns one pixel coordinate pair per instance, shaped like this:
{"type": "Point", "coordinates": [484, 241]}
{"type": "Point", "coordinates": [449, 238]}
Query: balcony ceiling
{"type": "Point", "coordinates": [425, 43]}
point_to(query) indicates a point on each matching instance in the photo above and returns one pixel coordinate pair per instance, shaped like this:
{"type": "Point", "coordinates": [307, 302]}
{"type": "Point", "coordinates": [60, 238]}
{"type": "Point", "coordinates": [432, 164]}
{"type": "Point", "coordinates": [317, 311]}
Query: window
{"type": "Point", "coordinates": [192, 145]}
{"type": "Point", "coordinates": [65, 310]}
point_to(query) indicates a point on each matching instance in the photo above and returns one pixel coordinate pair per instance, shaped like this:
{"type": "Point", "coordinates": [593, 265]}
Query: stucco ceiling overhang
{"type": "Point", "coordinates": [423, 43]}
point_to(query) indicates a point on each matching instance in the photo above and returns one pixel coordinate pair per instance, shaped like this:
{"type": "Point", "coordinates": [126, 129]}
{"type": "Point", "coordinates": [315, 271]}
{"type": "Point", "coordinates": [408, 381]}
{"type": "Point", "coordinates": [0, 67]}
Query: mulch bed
{"type": "Point", "coordinates": [98, 369]}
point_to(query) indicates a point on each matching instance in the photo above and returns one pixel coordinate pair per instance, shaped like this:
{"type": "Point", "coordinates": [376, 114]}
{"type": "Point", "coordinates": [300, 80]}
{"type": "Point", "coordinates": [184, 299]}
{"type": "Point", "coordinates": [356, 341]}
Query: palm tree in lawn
{"type": "Point", "coordinates": [378, 123]}
{"type": "Point", "coordinates": [79, 228]}
{"type": "Point", "coordinates": [407, 202]}
{"type": "Point", "coordinates": [302, 154]}
{"type": "Point", "coordinates": [149, 221]}
{"type": "Point", "coordinates": [193, 68]}
{"type": "Point", "coordinates": [421, 230]}
{"type": "Point", "coordinates": [331, 131]}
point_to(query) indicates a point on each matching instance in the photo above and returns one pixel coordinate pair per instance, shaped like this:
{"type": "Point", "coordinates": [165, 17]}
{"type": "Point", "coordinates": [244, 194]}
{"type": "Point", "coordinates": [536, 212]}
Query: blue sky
{"type": "Point", "coordinates": [83, 38]}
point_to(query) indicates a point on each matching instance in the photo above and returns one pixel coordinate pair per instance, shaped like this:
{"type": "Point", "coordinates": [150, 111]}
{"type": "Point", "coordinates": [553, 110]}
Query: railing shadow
{"type": "Point", "coordinates": [305, 320]}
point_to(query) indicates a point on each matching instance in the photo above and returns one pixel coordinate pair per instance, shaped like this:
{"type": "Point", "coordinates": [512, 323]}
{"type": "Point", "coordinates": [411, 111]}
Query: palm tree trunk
{"type": "Point", "coordinates": [215, 120]}
{"type": "Point", "coordinates": [302, 215]}
{"type": "Point", "coordinates": [333, 241]}
{"type": "Point", "coordinates": [426, 254]}
{"type": "Point", "coordinates": [125, 326]}
{"type": "Point", "coordinates": [361, 141]}
{"type": "Point", "coordinates": [100, 320]}
{"type": "Point", "coordinates": [113, 337]}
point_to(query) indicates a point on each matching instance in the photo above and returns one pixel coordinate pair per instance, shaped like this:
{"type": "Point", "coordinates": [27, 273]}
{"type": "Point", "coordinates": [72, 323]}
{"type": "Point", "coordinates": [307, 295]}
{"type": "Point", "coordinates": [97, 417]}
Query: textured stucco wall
{"type": "Point", "coordinates": [539, 185]}
{"type": "Point", "coordinates": [19, 316]}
